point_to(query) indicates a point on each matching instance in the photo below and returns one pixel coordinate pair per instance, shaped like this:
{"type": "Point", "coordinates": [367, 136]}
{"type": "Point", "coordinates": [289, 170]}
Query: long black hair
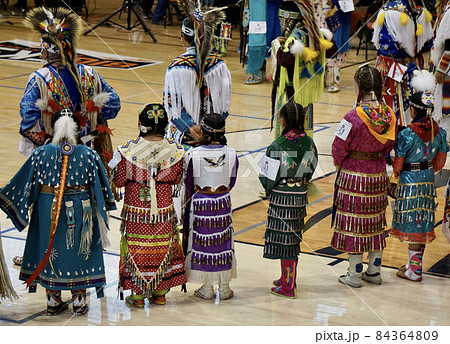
{"type": "Point", "coordinates": [213, 128]}
{"type": "Point", "coordinates": [294, 117]}
{"type": "Point", "coordinates": [154, 120]}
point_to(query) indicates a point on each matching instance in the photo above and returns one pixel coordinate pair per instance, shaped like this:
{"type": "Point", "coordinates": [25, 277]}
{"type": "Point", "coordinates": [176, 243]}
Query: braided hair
{"type": "Point", "coordinates": [154, 120]}
{"type": "Point", "coordinates": [213, 128]}
{"type": "Point", "coordinates": [294, 117]}
{"type": "Point", "coordinates": [368, 79]}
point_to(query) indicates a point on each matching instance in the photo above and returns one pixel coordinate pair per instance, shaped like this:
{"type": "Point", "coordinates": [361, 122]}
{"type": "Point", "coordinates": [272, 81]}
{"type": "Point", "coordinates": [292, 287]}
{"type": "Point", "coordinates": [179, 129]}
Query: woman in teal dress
{"type": "Point", "coordinates": [287, 192]}
{"type": "Point", "coordinates": [420, 151]}
{"type": "Point", "coordinates": [67, 226]}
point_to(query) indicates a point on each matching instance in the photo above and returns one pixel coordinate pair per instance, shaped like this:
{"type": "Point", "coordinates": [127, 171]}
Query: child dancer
{"type": "Point", "coordinates": [420, 151]}
{"type": "Point", "coordinates": [297, 154]}
{"type": "Point", "coordinates": [364, 137]}
{"type": "Point", "coordinates": [151, 259]}
{"type": "Point", "coordinates": [211, 174]}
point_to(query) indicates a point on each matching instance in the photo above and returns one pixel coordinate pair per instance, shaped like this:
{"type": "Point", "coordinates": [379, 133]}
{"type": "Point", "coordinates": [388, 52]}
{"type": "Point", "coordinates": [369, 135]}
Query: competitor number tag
{"type": "Point", "coordinates": [343, 129]}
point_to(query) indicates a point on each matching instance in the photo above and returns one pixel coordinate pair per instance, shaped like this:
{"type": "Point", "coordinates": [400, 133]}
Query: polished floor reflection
{"type": "Point", "coordinates": [321, 299]}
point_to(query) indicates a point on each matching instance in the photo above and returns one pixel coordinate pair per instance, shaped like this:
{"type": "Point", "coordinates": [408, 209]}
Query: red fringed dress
{"type": "Point", "coordinates": [151, 256]}
{"type": "Point", "coordinates": [362, 140]}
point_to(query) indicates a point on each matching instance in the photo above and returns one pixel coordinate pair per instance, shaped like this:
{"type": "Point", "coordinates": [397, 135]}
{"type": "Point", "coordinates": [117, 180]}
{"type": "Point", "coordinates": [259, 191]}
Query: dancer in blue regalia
{"type": "Point", "coordinates": [67, 225]}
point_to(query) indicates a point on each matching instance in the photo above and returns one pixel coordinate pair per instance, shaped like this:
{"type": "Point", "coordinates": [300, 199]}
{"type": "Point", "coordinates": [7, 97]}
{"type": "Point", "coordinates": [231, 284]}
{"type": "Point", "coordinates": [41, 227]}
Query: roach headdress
{"type": "Point", "coordinates": [59, 29]}
{"type": "Point", "coordinates": [205, 20]}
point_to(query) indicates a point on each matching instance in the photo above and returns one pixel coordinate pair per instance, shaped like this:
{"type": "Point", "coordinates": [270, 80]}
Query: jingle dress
{"type": "Point", "coordinates": [414, 210]}
{"type": "Point", "coordinates": [288, 194]}
{"type": "Point", "coordinates": [360, 197]}
{"type": "Point", "coordinates": [76, 257]}
{"type": "Point", "coordinates": [150, 255]}
{"type": "Point", "coordinates": [211, 174]}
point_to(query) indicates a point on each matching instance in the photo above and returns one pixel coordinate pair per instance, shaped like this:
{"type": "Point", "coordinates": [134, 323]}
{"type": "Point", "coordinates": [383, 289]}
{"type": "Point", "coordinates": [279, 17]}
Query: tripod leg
{"type": "Point", "coordinates": [103, 21]}
{"type": "Point", "coordinates": [144, 25]}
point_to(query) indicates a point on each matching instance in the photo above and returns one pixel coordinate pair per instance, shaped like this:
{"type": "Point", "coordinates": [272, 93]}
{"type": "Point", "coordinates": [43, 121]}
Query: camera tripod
{"type": "Point", "coordinates": [129, 6]}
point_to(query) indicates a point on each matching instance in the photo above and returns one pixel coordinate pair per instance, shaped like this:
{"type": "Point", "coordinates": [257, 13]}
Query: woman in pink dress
{"type": "Point", "coordinates": [363, 139]}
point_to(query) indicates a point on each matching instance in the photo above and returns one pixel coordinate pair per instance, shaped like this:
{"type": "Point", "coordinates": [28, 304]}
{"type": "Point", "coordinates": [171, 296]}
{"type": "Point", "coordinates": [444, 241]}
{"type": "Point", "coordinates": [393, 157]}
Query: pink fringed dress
{"type": "Point", "coordinates": [361, 185]}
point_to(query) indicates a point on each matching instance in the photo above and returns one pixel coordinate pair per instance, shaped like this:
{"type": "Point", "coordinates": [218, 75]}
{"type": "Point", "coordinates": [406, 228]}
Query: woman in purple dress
{"type": "Point", "coordinates": [363, 138]}
{"type": "Point", "coordinates": [211, 174]}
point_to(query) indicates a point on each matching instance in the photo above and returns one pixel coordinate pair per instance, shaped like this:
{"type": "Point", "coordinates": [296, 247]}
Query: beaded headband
{"type": "Point", "coordinates": [209, 129]}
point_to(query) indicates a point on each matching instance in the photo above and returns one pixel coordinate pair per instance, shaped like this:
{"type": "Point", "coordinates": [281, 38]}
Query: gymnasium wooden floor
{"type": "Point", "coordinates": [321, 299]}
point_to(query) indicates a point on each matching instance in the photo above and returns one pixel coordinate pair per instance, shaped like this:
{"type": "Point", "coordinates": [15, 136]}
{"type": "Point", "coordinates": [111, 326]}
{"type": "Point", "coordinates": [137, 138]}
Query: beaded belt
{"type": "Point", "coordinates": [67, 189]}
{"type": "Point", "coordinates": [292, 181]}
{"type": "Point", "coordinates": [212, 191]}
{"type": "Point", "coordinates": [417, 166]}
{"type": "Point", "coordinates": [357, 155]}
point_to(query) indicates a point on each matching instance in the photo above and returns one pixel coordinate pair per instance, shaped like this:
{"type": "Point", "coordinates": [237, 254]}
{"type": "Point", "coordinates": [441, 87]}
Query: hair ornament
{"type": "Point", "coordinates": [363, 65]}
{"type": "Point", "coordinates": [209, 129]}
{"type": "Point", "coordinates": [144, 129]}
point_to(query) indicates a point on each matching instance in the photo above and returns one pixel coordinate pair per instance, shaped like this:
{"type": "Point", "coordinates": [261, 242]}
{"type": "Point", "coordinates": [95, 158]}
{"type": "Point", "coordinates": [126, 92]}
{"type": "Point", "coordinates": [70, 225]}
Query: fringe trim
{"type": "Point", "coordinates": [442, 34]}
{"type": "Point", "coordinates": [137, 278]}
{"type": "Point", "coordinates": [427, 31]}
{"type": "Point", "coordinates": [86, 236]}
{"type": "Point", "coordinates": [286, 213]}
{"type": "Point", "coordinates": [360, 224]}
{"type": "Point", "coordinates": [218, 81]}
{"type": "Point", "coordinates": [180, 89]}
{"type": "Point", "coordinates": [363, 183]}
{"type": "Point", "coordinates": [288, 199]}
{"type": "Point", "coordinates": [143, 215]}
{"type": "Point", "coordinates": [213, 239]}
{"type": "Point", "coordinates": [103, 230]}
{"type": "Point", "coordinates": [204, 204]}
{"type": "Point", "coordinates": [292, 237]}
{"type": "Point", "coordinates": [222, 258]}
{"type": "Point", "coordinates": [375, 242]}
{"type": "Point", "coordinates": [6, 289]}
{"type": "Point", "coordinates": [213, 221]}
{"type": "Point", "coordinates": [210, 277]}
{"type": "Point", "coordinates": [280, 251]}
{"type": "Point", "coordinates": [361, 204]}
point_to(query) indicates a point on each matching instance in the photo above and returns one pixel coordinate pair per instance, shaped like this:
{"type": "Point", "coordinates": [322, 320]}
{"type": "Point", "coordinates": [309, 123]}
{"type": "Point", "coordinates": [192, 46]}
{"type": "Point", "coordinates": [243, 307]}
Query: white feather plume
{"type": "Point", "coordinates": [327, 34]}
{"type": "Point", "coordinates": [42, 104]}
{"type": "Point", "coordinates": [65, 129]}
{"type": "Point", "coordinates": [423, 81]}
{"type": "Point", "coordinates": [297, 48]}
{"type": "Point", "coordinates": [101, 98]}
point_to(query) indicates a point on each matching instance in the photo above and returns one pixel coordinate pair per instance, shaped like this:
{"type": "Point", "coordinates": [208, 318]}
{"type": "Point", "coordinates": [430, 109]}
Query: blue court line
{"type": "Point", "coordinates": [11, 237]}
{"type": "Point", "coordinates": [15, 88]}
{"type": "Point", "coordinates": [15, 76]}
{"type": "Point", "coordinates": [8, 230]}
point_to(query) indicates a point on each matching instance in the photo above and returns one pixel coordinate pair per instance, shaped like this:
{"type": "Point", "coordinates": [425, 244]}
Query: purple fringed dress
{"type": "Point", "coordinates": [361, 186]}
{"type": "Point", "coordinates": [211, 258]}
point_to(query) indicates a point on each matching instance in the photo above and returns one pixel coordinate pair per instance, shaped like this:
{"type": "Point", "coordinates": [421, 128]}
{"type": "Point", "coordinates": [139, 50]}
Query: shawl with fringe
{"type": "Point", "coordinates": [180, 90]}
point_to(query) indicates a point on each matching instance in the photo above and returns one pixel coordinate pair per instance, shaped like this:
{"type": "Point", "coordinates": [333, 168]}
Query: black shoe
{"type": "Point", "coordinates": [54, 310]}
{"type": "Point", "coordinates": [80, 310]}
